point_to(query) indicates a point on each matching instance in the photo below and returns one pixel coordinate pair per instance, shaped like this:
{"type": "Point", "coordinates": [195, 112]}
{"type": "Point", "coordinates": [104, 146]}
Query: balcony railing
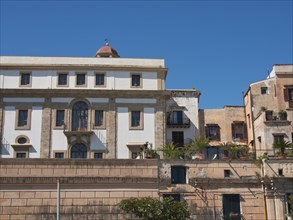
{"type": "Point", "coordinates": [184, 123]}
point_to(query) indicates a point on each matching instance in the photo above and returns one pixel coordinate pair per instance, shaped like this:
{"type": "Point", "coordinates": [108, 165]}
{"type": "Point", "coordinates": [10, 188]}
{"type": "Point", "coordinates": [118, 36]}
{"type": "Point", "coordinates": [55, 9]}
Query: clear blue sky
{"type": "Point", "coordinates": [218, 47]}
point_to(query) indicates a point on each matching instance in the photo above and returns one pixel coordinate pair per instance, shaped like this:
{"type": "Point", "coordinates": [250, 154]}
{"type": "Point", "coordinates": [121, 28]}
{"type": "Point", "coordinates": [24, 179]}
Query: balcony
{"type": "Point", "coordinates": [78, 135]}
{"type": "Point", "coordinates": [274, 118]}
{"type": "Point", "coordinates": [184, 123]}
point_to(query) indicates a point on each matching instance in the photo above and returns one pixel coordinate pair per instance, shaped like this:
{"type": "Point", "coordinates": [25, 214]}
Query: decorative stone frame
{"type": "Point", "coordinates": [21, 148]}
{"type": "Point", "coordinates": [54, 118]}
{"type": "Point", "coordinates": [105, 80]}
{"type": "Point", "coordinates": [85, 79]}
{"type": "Point", "coordinates": [103, 126]}
{"type": "Point", "coordinates": [135, 148]}
{"type": "Point", "coordinates": [141, 125]}
{"type": "Point", "coordinates": [69, 113]}
{"type": "Point", "coordinates": [22, 136]}
{"type": "Point", "coordinates": [20, 76]}
{"type": "Point", "coordinates": [88, 153]}
{"type": "Point", "coordinates": [141, 80]}
{"type": "Point", "coordinates": [60, 151]}
{"type": "Point", "coordinates": [67, 81]}
{"type": "Point", "coordinates": [92, 153]}
{"type": "Point", "coordinates": [29, 112]}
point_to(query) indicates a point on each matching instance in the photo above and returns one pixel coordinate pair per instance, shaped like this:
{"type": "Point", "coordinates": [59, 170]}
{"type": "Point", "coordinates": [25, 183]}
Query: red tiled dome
{"type": "Point", "coordinates": [107, 51]}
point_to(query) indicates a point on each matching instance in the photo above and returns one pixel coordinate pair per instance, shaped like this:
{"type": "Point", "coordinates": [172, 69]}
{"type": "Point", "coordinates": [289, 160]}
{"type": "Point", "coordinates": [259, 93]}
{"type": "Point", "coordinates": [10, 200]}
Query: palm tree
{"type": "Point", "coordinates": [196, 146]}
{"type": "Point", "coordinates": [171, 151]}
{"type": "Point", "coordinates": [282, 145]}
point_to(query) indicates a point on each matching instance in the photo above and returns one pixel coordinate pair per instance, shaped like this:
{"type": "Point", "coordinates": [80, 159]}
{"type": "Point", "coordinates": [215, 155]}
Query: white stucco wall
{"type": "Point", "coordinates": [99, 140]}
{"type": "Point", "coordinates": [117, 62]}
{"type": "Point", "coordinates": [191, 112]}
{"type": "Point", "coordinates": [48, 79]}
{"type": "Point", "coordinates": [124, 135]}
{"type": "Point", "coordinates": [10, 134]}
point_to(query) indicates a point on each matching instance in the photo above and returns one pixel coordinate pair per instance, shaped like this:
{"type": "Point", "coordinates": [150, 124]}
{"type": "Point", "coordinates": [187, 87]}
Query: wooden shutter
{"type": "Point", "coordinates": [218, 133]}
{"type": "Point", "coordinates": [233, 130]}
{"type": "Point", "coordinates": [286, 94]}
{"type": "Point", "coordinates": [244, 131]}
{"type": "Point", "coordinates": [206, 131]}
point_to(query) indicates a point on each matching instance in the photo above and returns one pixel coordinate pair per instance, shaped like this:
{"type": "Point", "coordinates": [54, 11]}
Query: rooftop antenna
{"type": "Point", "coordinates": [107, 42]}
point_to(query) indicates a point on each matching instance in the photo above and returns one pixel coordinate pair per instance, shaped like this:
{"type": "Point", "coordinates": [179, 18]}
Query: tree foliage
{"type": "Point", "coordinates": [153, 209]}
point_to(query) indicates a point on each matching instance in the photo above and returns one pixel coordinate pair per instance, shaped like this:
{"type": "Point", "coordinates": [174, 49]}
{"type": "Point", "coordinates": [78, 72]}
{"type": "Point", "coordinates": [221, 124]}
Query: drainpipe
{"type": "Point", "coordinates": [58, 200]}
{"type": "Point", "coordinates": [264, 189]}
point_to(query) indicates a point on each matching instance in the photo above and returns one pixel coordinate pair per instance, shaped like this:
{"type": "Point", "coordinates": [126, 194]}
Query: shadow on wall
{"type": "Point", "coordinates": [5, 147]}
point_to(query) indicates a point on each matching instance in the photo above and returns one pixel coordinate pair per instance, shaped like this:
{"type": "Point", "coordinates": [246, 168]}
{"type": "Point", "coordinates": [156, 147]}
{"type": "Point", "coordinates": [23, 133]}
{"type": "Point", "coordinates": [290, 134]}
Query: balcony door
{"type": "Point", "coordinates": [80, 116]}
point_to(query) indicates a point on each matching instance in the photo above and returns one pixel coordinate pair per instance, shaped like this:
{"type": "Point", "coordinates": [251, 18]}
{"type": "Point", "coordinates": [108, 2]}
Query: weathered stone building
{"type": "Point", "coordinates": [269, 110]}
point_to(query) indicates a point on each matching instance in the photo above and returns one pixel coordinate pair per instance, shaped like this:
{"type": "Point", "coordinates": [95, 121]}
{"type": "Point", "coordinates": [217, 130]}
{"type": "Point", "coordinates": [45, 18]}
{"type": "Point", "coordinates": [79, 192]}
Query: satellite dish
{"type": "Point", "coordinates": [214, 157]}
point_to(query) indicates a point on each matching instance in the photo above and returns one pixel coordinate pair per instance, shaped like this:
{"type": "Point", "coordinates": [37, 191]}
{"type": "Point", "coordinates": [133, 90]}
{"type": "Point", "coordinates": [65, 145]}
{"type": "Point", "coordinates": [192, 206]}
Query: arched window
{"type": "Point", "coordinates": [79, 116]}
{"type": "Point", "coordinates": [79, 151]}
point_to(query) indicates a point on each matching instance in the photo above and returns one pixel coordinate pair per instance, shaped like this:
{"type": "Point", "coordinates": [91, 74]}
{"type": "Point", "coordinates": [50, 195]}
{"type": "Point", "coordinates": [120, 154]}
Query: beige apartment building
{"type": "Point", "coordinates": [222, 126]}
{"type": "Point", "coordinates": [269, 110]}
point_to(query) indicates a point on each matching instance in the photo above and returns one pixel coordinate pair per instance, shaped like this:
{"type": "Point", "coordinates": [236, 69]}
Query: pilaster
{"type": "Point", "coordinates": [1, 124]}
{"type": "Point", "coordinates": [111, 130]}
{"type": "Point", "coordinates": [270, 200]}
{"type": "Point", "coordinates": [160, 123]}
{"type": "Point", "coordinates": [46, 129]}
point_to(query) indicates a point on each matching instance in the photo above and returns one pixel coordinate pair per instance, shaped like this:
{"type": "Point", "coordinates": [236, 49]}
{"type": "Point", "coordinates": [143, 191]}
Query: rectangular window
{"type": "Point", "coordinates": [278, 138]}
{"type": "Point", "coordinates": [238, 131]}
{"type": "Point", "coordinates": [178, 175]}
{"type": "Point", "coordinates": [98, 155]}
{"type": "Point", "coordinates": [25, 79]}
{"type": "Point", "coordinates": [99, 118]}
{"type": "Point", "coordinates": [21, 155]}
{"type": "Point", "coordinates": [22, 118]}
{"type": "Point", "coordinates": [135, 118]}
{"type": "Point", "coordinates": [80, 79]}
{"type": "Point", "coordinates": [264, 90]}
{"type": "Point", "coordinates": [59, 155]}
{"type": "Point", "coordinates": [62, 79]}
{"type": "Point", "coordinates": [231, 207]}
{"type": "Point", "coordinates": [288, 95]}
{"type": "Point", "coordinates": [177, 117]}
{"type": "Point", "coordinates": [135, 155]}
{"type": "Point", "coordinates": [213, 132]}
{"type": "Point", "coordinates": [135, 80]}
{"type": "Point", "coordinates": [227, 173]}
{"type": "Point", "coordinates": [60, 117]}
{"type": "Point", "coordinates": [100, 79]}
{"type": "Point", "coordinates": [178, 138]}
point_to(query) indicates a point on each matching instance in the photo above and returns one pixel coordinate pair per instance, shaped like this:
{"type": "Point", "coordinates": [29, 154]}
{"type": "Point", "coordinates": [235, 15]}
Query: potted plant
{"type": "Point", "coordinates": [195, 147]}
{"type": "Point", "coordinates": [243, 150]}
{"type": "Point", "coordinates": [171, 151]}
{"type": "Point", "coordinates": [151, 154]}
{"type": "Point", "coordinates": [230, 150]}
{"type": "Point", "coordinates": [282, 115]}
{"type": "Point", "coordinates": [282, 145]}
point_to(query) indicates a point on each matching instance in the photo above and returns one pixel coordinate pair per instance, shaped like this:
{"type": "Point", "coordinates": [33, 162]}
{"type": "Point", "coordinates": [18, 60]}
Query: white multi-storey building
{"type": "Point", "coordinates": [87, 107]}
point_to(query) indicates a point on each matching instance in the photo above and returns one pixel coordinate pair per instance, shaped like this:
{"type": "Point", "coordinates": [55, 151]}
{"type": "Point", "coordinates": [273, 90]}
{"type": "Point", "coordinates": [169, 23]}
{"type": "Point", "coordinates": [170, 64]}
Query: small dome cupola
{"type": "Point", "coordinates": [107, 51]}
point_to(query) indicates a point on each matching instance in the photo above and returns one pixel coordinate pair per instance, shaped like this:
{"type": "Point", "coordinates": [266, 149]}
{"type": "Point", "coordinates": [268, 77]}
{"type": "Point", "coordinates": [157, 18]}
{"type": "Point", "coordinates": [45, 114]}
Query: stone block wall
{"type": "Point", "coordinates": [89, 189]}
